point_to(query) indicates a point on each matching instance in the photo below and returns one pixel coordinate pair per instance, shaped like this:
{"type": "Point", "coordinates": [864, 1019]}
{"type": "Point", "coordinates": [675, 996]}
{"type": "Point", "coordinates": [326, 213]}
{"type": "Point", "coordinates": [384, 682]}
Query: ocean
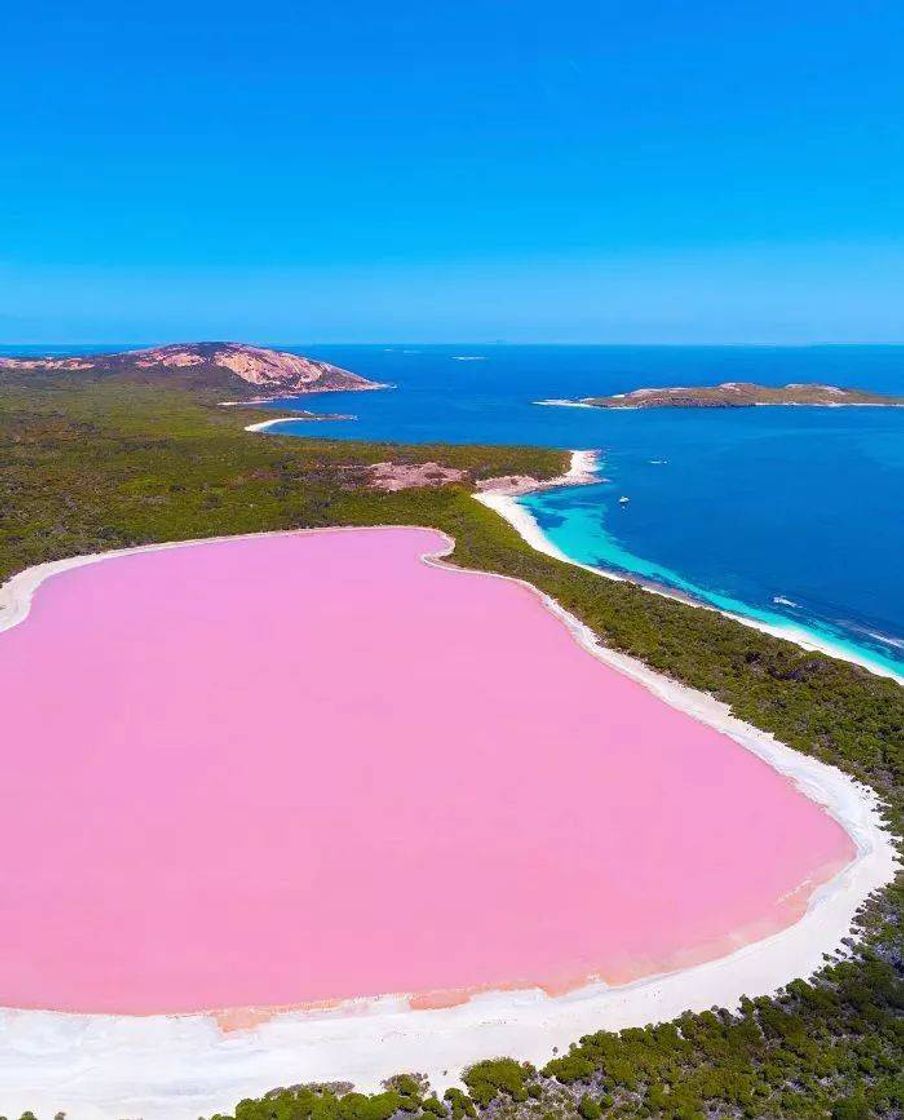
{"type": "Point", "coordinates": [791, 517]}
{"type": "Point", "coordinates": [788, 516]}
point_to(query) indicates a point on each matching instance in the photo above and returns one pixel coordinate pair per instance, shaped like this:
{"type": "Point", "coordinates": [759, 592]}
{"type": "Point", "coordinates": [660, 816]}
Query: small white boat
{"type": "Point", "coordinates": [623, 501]}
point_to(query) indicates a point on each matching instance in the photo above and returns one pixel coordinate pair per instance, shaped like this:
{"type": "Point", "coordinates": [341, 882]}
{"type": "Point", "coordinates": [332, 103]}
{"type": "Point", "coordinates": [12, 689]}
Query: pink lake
{"type": "Point", "coordinates": [307, 767]}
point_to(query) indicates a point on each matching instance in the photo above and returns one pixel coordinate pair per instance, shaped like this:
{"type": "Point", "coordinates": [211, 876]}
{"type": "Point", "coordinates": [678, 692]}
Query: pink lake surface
{"type": "Point", "coordinates": [308, 767]}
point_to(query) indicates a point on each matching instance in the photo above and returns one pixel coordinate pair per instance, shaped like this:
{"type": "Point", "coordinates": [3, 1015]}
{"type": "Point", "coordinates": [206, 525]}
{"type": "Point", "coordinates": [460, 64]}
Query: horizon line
{"type": "Point", "coordinates": [501, 343]}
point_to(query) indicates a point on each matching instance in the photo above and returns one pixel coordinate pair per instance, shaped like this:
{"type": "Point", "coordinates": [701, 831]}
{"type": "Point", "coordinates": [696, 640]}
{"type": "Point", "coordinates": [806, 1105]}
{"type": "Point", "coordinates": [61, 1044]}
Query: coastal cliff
{"type": "Point", "coordinates": [245, 372]}
{"type": "Point", "coordinates": [736, 394]}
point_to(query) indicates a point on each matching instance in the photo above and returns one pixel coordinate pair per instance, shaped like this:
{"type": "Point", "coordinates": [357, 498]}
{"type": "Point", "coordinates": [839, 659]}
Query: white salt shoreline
{"type": "Point", "coordinates": [159, 1067]}
{"type": "Point", "coordinates": [503, 502]}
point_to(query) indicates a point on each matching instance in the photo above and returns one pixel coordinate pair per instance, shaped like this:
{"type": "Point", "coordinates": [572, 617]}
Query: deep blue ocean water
{"type": "Point", "coordinates": [787, 515]}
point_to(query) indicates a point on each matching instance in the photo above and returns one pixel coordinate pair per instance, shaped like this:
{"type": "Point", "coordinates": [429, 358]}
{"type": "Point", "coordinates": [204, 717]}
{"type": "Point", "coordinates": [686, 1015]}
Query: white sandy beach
{"type": "Point", "coordinates": [101, 1067]}
{"type": "Point", "coordinates": [563, 403]}
{"type": "Point", "coordinates": [263, 425]}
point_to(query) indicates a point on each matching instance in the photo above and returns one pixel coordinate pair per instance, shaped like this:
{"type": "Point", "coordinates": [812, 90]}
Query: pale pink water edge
{"type": "Point", "coordinates": [309, 767]}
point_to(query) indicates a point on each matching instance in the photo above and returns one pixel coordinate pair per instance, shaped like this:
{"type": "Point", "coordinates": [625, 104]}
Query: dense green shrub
{"type": "Point", "coordinates": [460, 1103]}
{"type": "Point", "coordinates": [589, 1108]}
{"type": "Point", "coordinates": [486, 1080]}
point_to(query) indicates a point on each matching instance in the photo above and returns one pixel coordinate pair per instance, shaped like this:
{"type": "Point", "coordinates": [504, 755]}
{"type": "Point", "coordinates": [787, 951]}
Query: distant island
{"type": "Point", "coordinates": [245, 373]}
{"type": "Point", "coordinates": [735, 394]}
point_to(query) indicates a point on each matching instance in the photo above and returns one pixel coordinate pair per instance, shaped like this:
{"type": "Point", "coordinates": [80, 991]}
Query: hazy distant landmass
{"type": "Point", "coordinates": [243, 372]}
{"type": "Point", "coordinates": [736, 394]}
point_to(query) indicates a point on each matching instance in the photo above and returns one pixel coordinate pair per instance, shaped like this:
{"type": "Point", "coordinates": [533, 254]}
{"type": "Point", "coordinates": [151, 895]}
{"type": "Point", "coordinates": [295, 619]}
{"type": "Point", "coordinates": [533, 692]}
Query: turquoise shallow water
{"type": "Point", "coordinates": [577, 520]}
{"type": "Point", "coordinates": [790, 516]}
{"type": "Point", "coordinates": [791, 519]}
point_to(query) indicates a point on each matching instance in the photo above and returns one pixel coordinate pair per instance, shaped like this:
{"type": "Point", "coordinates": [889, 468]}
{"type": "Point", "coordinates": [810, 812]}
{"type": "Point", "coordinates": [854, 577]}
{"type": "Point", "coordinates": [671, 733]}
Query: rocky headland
{"type": "Point", "coordinates": [245, 373]}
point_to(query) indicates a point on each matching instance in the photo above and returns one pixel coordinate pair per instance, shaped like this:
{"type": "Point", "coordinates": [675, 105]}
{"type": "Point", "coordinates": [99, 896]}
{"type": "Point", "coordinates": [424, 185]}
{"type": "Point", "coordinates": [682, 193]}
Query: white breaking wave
{"type": "Point", "coordinates": [564, 403]}
{"type": "Point", "coordinates": [897, 643]}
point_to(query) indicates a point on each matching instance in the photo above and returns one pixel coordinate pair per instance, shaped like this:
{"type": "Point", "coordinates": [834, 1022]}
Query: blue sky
{"type": "Point", "coordinates": [432, 171]}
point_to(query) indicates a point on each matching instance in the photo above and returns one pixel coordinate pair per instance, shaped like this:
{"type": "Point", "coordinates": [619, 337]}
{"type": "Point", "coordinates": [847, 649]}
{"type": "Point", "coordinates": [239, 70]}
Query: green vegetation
{"type": "Point", "coordinates": [487, 1080]}
{"type": "Point", "coordinates": [94, 465]}
{"type": "Point", "coordinates": [110, 466]}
